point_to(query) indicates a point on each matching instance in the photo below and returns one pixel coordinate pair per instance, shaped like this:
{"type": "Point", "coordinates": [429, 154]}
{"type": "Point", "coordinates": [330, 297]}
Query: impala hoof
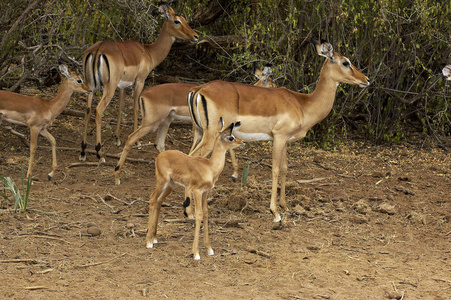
{"type": "Point", "coordinates": [150, 244]}
{"type": "Point", "coordinates": [211, 252]}
{"type": "Point", "coordinates": [197, 257]}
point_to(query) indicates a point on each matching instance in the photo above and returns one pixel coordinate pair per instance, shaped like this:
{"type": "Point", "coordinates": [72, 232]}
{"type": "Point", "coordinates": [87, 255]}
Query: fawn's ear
{"type": "Point", "coordinates": [221, 124]}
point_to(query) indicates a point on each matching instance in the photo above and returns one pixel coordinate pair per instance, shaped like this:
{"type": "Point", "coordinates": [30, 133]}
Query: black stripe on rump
{"type": "Point", "coordinates": [204, 104]}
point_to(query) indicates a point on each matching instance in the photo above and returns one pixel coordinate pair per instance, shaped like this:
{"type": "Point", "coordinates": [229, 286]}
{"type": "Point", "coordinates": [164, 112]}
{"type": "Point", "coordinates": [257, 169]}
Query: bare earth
{"type": "Point", "coordinates": [364, 222]}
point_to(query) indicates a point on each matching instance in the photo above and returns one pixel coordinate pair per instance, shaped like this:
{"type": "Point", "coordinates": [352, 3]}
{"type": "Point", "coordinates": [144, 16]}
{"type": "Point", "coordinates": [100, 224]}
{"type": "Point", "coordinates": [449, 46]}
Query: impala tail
{"type": "Point", "coordinates": [198, 109]}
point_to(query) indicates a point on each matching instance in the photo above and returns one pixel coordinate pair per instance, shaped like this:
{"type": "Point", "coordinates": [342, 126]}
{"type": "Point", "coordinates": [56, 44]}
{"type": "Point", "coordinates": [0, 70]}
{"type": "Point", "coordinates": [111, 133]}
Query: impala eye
{"type": "Point", "coordinates": [231, 138]}
{"type": "Point", "coordinates": [79, 81]}
{"type": "Point", "coordinates": [346, 63]}
{"type": "Point", "coordinates": [177, 22]}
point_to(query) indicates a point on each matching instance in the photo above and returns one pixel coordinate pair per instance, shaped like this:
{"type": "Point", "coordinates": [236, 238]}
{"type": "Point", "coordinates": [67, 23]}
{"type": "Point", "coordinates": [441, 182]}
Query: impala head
{"type": "Point", "coordinates": [75, 80]}
{"type": "Point", "coordinates": [264, 76]}
{"type": "Point", "coordinates": [227, 137]}
{"type": "Point", "coordinates": [178, 27]}
{"type": "Point", "coordinates": [447, 72]}
{"type": "Point", "coordinates": [342, 70]}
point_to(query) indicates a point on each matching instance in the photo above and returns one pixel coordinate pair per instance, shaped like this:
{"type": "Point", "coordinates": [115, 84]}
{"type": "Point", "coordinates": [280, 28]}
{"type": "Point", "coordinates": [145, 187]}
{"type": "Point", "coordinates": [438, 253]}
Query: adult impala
{"type": "Point", "coordinates": [38, 114]}
{"type": "Point", "coordinates": [164, 103]}
{"type": "Point", "coordinates": [279, 115]}
{"type": "Point", "coordinates": [110, 65]}
{"type": "Point", "coordinates": [198, 175]}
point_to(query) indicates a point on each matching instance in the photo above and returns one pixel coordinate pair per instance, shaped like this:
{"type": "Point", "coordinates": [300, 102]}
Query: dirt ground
{"type": "Point", "coordinates": [364, 222]}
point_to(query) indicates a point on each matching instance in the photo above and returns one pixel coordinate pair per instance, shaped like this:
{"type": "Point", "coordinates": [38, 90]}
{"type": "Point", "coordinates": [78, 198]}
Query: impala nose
{"type": "Point", "coordinates": [365, 84]}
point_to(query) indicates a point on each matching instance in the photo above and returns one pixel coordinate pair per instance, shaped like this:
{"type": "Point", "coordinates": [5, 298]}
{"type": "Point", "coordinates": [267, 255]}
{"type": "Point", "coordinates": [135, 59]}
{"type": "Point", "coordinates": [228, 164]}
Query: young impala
{"type": "Point", "coordinates": [447, 72]}
{"type": "Point", "coordinates": [38, 114]}
{"type": "Point", "coordinates": [109, 65]}
{"type": "Point", "coordinates": [198, 175]}
{"type": "Point", "coordinates": [277, 115]}
{"type": "Point", "coordinates": [164, 103]}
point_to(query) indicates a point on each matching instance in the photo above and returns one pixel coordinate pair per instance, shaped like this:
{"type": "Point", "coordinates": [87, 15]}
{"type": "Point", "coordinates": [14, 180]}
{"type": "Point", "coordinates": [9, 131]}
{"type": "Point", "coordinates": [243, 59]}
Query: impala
{"type": "Point", "coordinates": [277, 115]}
{"type": "Point", "coordinates": [38, 114]}
{"type": "Point", "coordinates": [447, 72]}
{"type": "Point", "coordinates": [109, 65]}
{"type": "Point", "coordinates": [164, 103]}
{"type": "Point", "coordinates": [198, 175]}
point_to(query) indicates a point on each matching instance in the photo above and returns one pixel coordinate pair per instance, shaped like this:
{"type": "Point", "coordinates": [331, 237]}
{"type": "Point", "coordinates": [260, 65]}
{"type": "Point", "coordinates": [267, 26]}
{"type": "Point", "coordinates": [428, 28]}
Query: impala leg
{"type": "Point", "coordinates": [201, 150]}
{"type": "Point", "coordinates": [139, 84]}
{"type": "Point", "coordinates": [117, 133]}
{"type": "Point", "coordinates": [52, 141]}
{"type": "Point", "coordinates": [234, 164]}
{"type": "Point", "coordinates": [137, 91]}
{"type": "Point", "coordinates": [277, 156]}
{"type": "Point", "coordinates": [84, 144]}
{"type": "Point", "coordinates": [197, 136]}
{"type": "Point", "coordinates": [131, 140]}
{"type": "Point", "coordinates": [156, 200]}
{"type": "Point", "coordinates": [162, 133]}
{"type": "Point", "coordinates": [206, 231]}
{"type": "Point", "coordinates": [283, 178]}
{"type": "Point", "coordinates": [34, 132]}
{"type": "Point", "coordinates": [103, 103]}
{"type": "Point", "coordinates": [199, 217]}
{"type": "Point", "coordinates": [188, 204]}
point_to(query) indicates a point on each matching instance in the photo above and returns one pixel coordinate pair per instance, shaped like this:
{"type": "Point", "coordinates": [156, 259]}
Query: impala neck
{"type": "Point", "coordinates": [159, 50]}
{"type": "Point", "coordinates": [217, 158]}
{"type": "Point", "coordinates": [319, 103]}
{"type": "Point", "coordinates": [60, 101]}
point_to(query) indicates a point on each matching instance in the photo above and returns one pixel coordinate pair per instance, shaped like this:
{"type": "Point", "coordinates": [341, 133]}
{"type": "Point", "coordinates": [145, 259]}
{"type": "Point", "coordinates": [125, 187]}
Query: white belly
{"type": "Point", "coordinates": [252, 137]}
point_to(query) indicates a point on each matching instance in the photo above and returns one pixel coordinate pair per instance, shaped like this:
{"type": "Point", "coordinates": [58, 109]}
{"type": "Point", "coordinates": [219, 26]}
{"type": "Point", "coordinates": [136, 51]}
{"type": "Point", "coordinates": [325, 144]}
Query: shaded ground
{"type": "Point", "coordinates": [365, 222]}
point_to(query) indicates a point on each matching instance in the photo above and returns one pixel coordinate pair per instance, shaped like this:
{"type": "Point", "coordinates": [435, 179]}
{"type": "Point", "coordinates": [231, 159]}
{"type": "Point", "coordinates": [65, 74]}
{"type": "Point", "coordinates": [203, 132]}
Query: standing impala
{"type": "Point", "coordinates": [164, 103]}
{"type": "Point", "coordinates": [110, 65]}
{"type": "Point", "coordinates": [198, 175]}
{"type": "Point", "coordinates": [38, 114]}
{"type": "Point", "coordinates": [277, 115]}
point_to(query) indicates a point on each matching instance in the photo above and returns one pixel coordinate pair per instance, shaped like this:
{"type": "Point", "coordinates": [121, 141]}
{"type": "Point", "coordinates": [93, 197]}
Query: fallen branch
{"type": "Point", "coordinates": [311, 180]}
{"type": "Point", "coordinates": [258, 252]}
{"type": "Point", "coordinates": [112, 209]}
{"type": "Point", "coordinates": [36, 287]}
{"type": "Point", "coordinates": [100, 263]}
{"type": "Point", "coordinates": [50, 238]}
{"type": "Point", "coordinates": [20, 260]}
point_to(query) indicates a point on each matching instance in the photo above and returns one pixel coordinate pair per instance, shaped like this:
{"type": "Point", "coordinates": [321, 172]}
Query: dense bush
{"type": "Point", "coordinates": [400, 45]}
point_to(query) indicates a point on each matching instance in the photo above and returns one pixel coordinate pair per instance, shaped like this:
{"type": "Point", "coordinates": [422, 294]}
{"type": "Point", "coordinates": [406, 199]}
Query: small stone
{"type": "Point", "coordinates": [93, 231]}
{"type": "Point", "coordinates": [386, 208]}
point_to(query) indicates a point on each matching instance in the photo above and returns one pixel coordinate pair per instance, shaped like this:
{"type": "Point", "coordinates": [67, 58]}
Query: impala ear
{"type": "Point", "coordinates": [63, 69]}
{"type": "Point", "coordinates": [166, 11]}
{"type": "Point", "coordinates": [257, 71]}
{"type": "Point", "coordinates": [447, 72]}
{"type": "Point", "coordinates": [267, 71]}
{"type": "Point", "coordinates": [221, 123]}
{"type": "Point", "coordinates": [324, 48]}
